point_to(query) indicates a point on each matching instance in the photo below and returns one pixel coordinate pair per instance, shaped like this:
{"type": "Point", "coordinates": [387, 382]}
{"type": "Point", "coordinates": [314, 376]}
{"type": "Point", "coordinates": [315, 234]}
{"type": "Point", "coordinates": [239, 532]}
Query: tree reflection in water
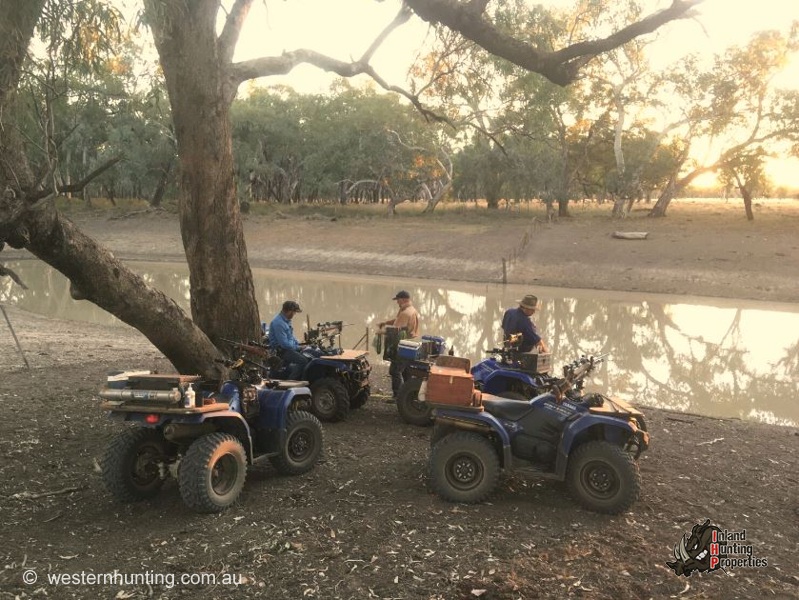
{"type": "Point", "coordinates": [702, 358]}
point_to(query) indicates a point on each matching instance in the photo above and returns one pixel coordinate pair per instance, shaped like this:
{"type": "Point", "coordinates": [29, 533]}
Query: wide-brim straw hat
{"type": "Point", "coordinates": [529, 301]}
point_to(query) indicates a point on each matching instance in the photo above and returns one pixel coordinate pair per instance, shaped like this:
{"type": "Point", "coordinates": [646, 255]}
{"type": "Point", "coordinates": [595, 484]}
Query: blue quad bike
{"type": "Point", "coordinates": [204, 434]}
{"type": "Point", "coordinates": [589, 441]}
{"type": "Point", "coordinates": [507, 372]}
{"type": "Point", "coordinates": [338, 378]}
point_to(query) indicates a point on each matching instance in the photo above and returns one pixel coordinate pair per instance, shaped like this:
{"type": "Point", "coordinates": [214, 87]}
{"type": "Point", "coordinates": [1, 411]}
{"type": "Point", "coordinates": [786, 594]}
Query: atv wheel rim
{"type": "Point", "coordinates": [145, 466]}
{"type": "Point", "coordinates": [464, 472]}
{"type": "Point", "coordinates": [224, 474]}
{"type": "Point", "coordinates": [325, 402]}
{"type": "Point", "coordinates": [300, 444]}
{"type": "Point", "coordinates": [600, 480]}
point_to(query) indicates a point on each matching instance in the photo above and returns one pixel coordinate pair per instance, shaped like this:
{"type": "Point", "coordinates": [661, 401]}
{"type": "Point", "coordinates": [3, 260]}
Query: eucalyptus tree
{"type": "Point", "coordinates": [734, 105]}
{"type": "Point", "coordinates": [345, 144]}
{"type": "Point", "coordinates": [196, 45]}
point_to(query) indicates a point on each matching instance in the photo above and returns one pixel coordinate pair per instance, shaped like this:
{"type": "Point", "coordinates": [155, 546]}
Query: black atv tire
{"type": "Point", "coordinates": [211, 475]}
{"type": "Point", "coordinates": [130, 465]}
{"type": "Point", "coordinates": [603, 477]}
{"type": "Point", "coordinates": [410, 409]}
{"type": "Point", "coordinates": [464, 467]}
{"type": "Point", "coordinates": [511, 395]}
{"type": "Point", "coordinates": [304, 441]}
{"type": "Point", "coordinates": [330, 400]}
{"type": "Point", "coordinates": [361, 398]}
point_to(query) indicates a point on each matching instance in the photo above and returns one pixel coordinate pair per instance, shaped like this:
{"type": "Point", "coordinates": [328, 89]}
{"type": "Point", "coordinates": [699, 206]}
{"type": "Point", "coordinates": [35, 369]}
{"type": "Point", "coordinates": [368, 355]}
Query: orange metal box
{"type": "Point", "coordinates": [448, 385]}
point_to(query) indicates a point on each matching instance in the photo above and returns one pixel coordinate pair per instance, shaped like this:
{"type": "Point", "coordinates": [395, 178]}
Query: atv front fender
{"type": "Point", "coordinates": [499, 381]}
{"type": "Point", "coordinates": [611, 429]}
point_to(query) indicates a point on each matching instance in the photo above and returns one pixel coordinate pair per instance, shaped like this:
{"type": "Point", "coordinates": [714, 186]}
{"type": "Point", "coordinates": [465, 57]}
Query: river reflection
{"type": "Point", "coordinates": [706, 356]}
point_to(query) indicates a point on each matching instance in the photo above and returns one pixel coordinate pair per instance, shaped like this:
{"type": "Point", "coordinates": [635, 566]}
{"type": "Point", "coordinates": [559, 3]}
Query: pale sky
{"type": "Point", "coordinates": [345, 28]}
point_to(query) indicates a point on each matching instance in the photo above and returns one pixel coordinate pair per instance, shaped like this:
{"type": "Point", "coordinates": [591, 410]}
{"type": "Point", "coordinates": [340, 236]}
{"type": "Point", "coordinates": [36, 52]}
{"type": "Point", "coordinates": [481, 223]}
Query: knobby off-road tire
{"type": "Point", "coordinates": [211, 475]}
{"type": "Point", "coordinates": [130, 465]}
{"type": "Point", "coordinates": [603, 477]}
{"type": "Point", "coordinates": [464, 467]}
{"type": "Point", "coordinates": [361, 398]}
{"type": "Point", "coordinates": [410, 409]}
{"type": "Point", "coordinates": [330, 400]}
{"type": "Point", "coordinates": [304, 441]}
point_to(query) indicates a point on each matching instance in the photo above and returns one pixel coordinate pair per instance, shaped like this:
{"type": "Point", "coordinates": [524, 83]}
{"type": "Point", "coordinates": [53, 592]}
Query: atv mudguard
{"type": "Point", "coordinates": [323, 365]}
{"type": "Point", "coordinates": [616, 431]}
{"type": "Point", "coordinates": [228, 421]}
{"type": "Point", "coordinates": [480, 422]}
{"type": "Point", "coordinates": [273, 404]}
{"type": "Point", "coordinates": [496, 382]}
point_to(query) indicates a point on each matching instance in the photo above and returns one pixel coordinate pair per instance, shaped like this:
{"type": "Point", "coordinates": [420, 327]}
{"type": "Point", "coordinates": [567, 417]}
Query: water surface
{"type": "Point", "coordinates": [715, 357]}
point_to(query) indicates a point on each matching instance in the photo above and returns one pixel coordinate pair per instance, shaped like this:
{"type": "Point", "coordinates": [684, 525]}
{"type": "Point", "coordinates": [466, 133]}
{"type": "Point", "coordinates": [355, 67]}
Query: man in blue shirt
{"type": "Point", "coordinates": [281, 338]}
{"type": "Point", "coordinates": [519, 320]}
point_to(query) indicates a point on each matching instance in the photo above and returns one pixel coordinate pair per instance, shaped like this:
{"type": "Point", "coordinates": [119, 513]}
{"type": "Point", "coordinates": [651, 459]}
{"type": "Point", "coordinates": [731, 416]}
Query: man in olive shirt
{"type": "Point", "coordinates": [408, 319]}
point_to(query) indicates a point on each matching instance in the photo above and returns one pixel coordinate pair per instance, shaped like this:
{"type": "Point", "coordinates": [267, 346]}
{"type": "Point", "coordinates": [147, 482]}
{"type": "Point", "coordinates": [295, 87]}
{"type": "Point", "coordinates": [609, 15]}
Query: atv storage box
{"type": "Point", "coordinates": [535, 362]}
{"type": "Point", "coordinates": [451, 386]}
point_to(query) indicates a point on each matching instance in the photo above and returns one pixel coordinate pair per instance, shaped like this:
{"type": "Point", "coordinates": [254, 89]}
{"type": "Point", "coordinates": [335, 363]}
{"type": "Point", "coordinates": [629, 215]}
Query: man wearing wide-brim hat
{"type": "Point", "coordinates": [519, 320]}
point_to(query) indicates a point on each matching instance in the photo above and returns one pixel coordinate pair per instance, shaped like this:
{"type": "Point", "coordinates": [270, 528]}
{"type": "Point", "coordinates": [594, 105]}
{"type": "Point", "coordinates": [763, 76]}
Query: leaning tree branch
{"type": "Point", "coordinates": [230, 33]}
{"type": "Point", "coordinates": [6, 272]}
{"type": "Point", "coordinates": [560, 67]}
{"type": "Point", "coordinates": [280, 65]}
{"type": "Point", "coordinates": [679, 9]}
{"type": "Point", "coordinates": [402, 17]}
{"type": "Point", "coordinates": [74, 187]}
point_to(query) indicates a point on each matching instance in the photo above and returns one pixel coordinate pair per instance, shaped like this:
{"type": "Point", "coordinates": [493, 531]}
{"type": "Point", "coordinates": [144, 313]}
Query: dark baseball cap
{"type": "Point", "coordinates": [401, 294]}
{"type": "Point", "coordinates": [291, 305]}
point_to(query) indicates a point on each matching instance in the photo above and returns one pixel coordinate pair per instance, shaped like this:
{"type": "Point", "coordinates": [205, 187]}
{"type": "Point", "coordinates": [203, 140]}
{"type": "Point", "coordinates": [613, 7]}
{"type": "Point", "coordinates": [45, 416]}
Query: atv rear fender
{"type": "Point", "coordinates": [481, 422]}
{"type": "Point", "coordinates": [225, 421]}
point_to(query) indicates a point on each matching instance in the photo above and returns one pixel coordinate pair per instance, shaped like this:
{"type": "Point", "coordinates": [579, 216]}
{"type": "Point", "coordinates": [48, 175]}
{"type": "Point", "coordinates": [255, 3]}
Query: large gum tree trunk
{"type": "Point", "coordinates": [222, 293]}
{"type": "Point", "coordinates": [29, 221]}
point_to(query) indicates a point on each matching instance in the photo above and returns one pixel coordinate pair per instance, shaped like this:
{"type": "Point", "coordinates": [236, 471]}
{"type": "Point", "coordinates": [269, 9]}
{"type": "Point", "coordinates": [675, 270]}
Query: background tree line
{"type": "Point", "coordinates": [613, 135]}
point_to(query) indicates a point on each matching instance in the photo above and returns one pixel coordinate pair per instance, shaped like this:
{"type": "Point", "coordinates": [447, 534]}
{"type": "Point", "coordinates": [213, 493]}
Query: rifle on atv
{"type": "Point", "coordinates": [324, 335]}
{"type": "Point", "coordinates": [574, 375]}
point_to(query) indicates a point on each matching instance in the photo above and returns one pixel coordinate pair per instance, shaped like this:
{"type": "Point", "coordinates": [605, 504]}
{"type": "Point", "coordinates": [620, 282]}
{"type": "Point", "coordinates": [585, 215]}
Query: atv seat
{"type": "Point", "coordinates": [504, 408]}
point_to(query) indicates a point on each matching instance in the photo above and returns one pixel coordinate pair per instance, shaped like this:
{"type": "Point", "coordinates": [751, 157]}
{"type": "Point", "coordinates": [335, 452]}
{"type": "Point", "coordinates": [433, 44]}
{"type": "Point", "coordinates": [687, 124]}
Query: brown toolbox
{"type": "Point", "coordinates": [450, 385]}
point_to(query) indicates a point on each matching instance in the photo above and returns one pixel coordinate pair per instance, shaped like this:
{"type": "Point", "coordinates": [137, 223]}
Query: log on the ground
{"type": "Point", "coordinates": [630, 235]}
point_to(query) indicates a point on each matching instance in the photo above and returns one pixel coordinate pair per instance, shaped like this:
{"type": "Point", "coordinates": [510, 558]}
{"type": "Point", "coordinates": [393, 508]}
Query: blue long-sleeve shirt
{"type": "Point", "coordinates": [281, 333]}
{"type": "Point", "coordinates": [515, 321]}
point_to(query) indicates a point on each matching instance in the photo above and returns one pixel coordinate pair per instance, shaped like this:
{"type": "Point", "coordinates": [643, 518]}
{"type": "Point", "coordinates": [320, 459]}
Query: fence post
{"type": "Point", "coordinates": [504, 271]}
{"type": "Point", "coordinates": [14, 335]}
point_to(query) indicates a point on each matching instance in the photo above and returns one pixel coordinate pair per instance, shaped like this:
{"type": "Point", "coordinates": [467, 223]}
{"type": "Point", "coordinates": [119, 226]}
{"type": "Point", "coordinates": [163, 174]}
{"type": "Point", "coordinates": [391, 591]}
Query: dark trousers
{"type": "Point", "coordinates": [294, 362]}
{"type": "Point", "coordinates": [397, 372]}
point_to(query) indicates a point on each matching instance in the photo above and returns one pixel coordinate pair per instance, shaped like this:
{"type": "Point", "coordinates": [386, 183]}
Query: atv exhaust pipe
{"type": "Point", "coordinates": [128, 394]}
{"type": "Point", "coordinates": [468, 425]}
{"type": "Point", "coordinates": [176, 431]}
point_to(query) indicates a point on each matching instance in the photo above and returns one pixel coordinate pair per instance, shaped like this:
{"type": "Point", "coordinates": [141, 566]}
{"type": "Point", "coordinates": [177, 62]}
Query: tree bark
{"type": "Point", "coordinates": [29, 220]}
{"type": "Point", "coordinates": [96, 275]}
{"type": "Point", "coordinates": [201, 93]}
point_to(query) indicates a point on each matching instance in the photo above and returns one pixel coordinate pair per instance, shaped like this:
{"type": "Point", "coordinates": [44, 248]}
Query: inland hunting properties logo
{"type": "Point", "coordinates": [708, 548]}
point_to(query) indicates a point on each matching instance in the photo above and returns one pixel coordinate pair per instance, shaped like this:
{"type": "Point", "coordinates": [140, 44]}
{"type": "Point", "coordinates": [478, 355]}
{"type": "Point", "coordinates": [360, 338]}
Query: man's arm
{"type": "Point", "coordinates": [529, 333]}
